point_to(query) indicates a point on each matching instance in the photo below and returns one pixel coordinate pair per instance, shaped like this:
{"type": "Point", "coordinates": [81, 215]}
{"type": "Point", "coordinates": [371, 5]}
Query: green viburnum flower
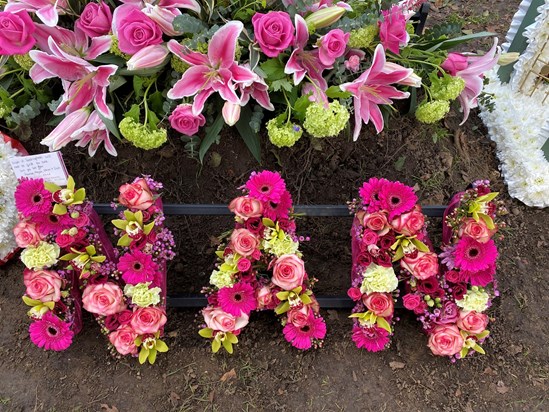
{"type": "Point", "coordinates": [178, 65]}
{"type": "Point", "coordinates": [431, 112]}
{"type": "Point", "coordinates": [5, 110]}
{"type": "Point", "coordinates": [116, 50]}
{"type": "Point", "coordinates": [24, 61]}
{"type": "Point", "coordinates": [446, 87]}
{"type": "Point", "coordinates": [363, 37]}
{"type": "Point", "coordinates": [141, 135]}
{"type": "Point", "coordinates": [325, 122]}
{"type": "Point", "coordinates": [284, 135]}
{"type": "Point", "coordinates": [141, 294]}
{"type": "Point", "coordinates": [41, 256]}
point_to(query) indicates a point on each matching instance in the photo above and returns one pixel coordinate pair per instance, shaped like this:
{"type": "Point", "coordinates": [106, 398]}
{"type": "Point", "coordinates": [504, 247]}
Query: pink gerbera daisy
{"type": "Point", "coordinates": [280, 209]}
{"type": "Point", "coordinates": [137, 267]}
{"type": "Point", "coordinates": [474, 256]}
{"type": "Point", "coordinates": [237, 299]}
{"type": "Point", "coordinates": [302, 337]}
{"type": "Point", "coordinates": [397, 198]}
{"type": "Point", "coordinates": [373, 339]}
{"type": "Point", "coordinates": [266, 186]}
{"type": "Point", "coordinates": [481, 277]}
{"type": "Point", "coordinates": [369, 192]}
{"type": "Point", "coordinates": [52, 223]}
{"type": "Point", "coordinates": [51, 333]}
{"type": "Point", "coordinates": [31, 197]}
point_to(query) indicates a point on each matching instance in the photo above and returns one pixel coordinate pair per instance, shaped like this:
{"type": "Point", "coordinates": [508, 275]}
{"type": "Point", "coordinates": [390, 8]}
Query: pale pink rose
{"type": "Point", "coordinates": [217, 319]}
{"type": "Point", "coordinates": [103, 299]}
{"type": "Point", "coordinates": [273, 31]}
{"type": "Point", "coordinates": [136, 30]}
{"type": "Point", "coordinates": [148, 320]}
{"type": "Point", "coordinates": [445, 340]}
{"type": "Point", "coordinates": [136, 195]}
{"type": "Point", "coordinates": [43, 285]}
{"type": "Point", "coordinates": [26, 234]}
{"type": "Point", "coordinates": [472, 322]}
{"type": "Point", "coordinates": [95, 20]}
{"type": "Point", "coordinates": [409, 224]}
{"type": "Point", "coordinates": [377, 222]}
{"type": "Point", "coordinates": [265, 298]}
{"type": "Point", "coordinates": [411, 301]}
{"type": "Point", "coordinates": [423, 266]}
{"type": "Point", "coordinates": [244, 242]}
{"type": "Point", "coordinates": [184, 121]}
{"type": "Point", "coordinates": [123, 339]}
{"type": "Point", "coordinates": [246, 207]}
{"type": "Point", "coordinates": [381, 304]}
{"type": "Point", "coordinates": [16, 36]}
{"type": "Point", "coordinates": [477, 230]}
{"type": "Point", "coordinates": [299, 316]}
{"type": "Point", "coordinates": [288, 272]}
{"type": "Point", "coordinates": [332, 46]}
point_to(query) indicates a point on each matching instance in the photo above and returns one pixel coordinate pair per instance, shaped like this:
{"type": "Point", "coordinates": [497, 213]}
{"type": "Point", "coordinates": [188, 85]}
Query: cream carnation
{"type": "Point", "coordinates": [476, 299]}
{"type": "Point", "coordinates": [42, 256]}
{"type": "Point", "coordinates": [379, 279]}
{"type": "Point", "coordinates": [141, 294]}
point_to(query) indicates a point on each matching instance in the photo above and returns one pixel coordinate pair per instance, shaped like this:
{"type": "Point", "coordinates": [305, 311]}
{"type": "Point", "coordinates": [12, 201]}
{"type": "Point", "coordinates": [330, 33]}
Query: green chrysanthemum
{"type": "Point", "coordinates": [24, 61]}
{"type": "Point", "coordinates": [284, 135]}
{"type": "Point", "coordinates": [431, 112]}
{"type": "Point", "coordinates": [141, 135]}
{"type": "Point", "coordinates": [363, 37]}
{"type": "Point", "coordinates": [446, 88]}
{"type": "Point", "coordinates": [325, 122]}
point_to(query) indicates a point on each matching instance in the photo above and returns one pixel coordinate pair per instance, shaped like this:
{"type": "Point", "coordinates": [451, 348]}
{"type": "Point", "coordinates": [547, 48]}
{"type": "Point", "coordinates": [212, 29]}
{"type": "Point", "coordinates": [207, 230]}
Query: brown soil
{"type": "Point", "coordinates": [265, 373]}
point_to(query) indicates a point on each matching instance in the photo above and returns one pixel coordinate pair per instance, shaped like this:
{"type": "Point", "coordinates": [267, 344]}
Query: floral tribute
{"type": "Point", "coordinates": [388, 227]}
{"type": "Point", "coordinates": [129, 299]}
{"type": "Point", "coordinates": [451, 305]}
{"type": "Point", "coordinates": [260, 267]}
{"type": "Point", "coordinates": [63, 242]}
{"type": "Point", "coordinates": [132, 69]}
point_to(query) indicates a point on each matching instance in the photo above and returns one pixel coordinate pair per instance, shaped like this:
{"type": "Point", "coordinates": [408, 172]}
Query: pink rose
{"type": "Point", "coordinates": [125, 317]}
{"type": "Point", "coordinates": [265, 298]}
{"type": "Point", "coordinates": [136, 195]}
{"type": "Point", "coordinates": [332, 46]}
{"type": "Point", "coordinates": [273, 31]}
{"type": "Point", "coordinates": [445, 340]}
{"type": "Point", "coordinates": [423, 266]}
{"type": "Point", "coordinates": [219, 320]}
{"type": "Point", "coordinates": [16, 36]}
{"type": "Point", "coordinates": [123, 339]}
{"type": "Point", "coordinates": [298, 316]}
{"type": "Point", "coordinates": [288, 272]}
{"type": "Point", "coordinates": [454, 63]}
{"type": "Point", "coordinates": [355, 294]}
{"type": "Point", "coordinates": [64, 239]}
{"type": "Point", "coordinates": [246, 207]}
{"type": "Point", "coordinates": [369, 237]}
{"type": "Point", "coordinates": [409, 224]}
{"type": "Point", "coordinates": [477, 230]}
{"type": "Point", "coordinates": [244, 265]}
{"type": "Point", "coordinates": [352, 63]}
{"type": "Point", "coordinates": [472, 322]}
{"type": "Point", "coordinates": [453, 276]}
{"type": "Point", "coordinates": [392, 30]}
{"type": "Point", "coordinates": [244, 242]}
{"type": "Point", "coordinates": [43, 285]}
{"type": "Point", "coordinates": [26, 234]}
{"type": "Point", "coordinates": [82, 219]}
{"type": "Point", "coordinates": [184, 121]}
{"type": "Point", "coordinates": [148, 320]}
{"type": "Point", "coordinates": [448, 313]}
{"type": "Point", "coordinates": [95, 20]}
{"type": "Point", "coordinates": [381, 304]}
{"type": "Point", "coordinates": [136, 30]}
{"type": "Point", "coordinates": [411, 301]}
{"type": "Point", "coordinates": [103, 299]}
{"type": "Point", "coordinates": [377, 222]}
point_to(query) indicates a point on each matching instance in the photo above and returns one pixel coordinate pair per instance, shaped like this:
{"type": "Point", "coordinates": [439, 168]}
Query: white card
{"type": "Point", "coordinates": [48, 166]}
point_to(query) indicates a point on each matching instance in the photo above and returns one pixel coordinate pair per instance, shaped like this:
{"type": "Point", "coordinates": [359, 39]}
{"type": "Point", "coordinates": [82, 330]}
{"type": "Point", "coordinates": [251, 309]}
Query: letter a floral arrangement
{"type": "Point", "coordinates": [260, 267]}
{"type": "Point", "coordinates": [130, 70]}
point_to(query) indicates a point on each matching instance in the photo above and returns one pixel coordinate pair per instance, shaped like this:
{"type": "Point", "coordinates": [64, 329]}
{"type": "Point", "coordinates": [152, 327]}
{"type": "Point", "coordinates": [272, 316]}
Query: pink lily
{"type": "Point", "coordinates": [62, 134]}
{"type": "Point", "coordinates": [47, 11]}
{"type": "Point", "coordinates": [302, 62]}
{"type": "Point", "coordinates": [93, 133]}
{"type": "Point", "coordinates": [373, 88]}
{"type": "Point", "coordinates": [148, 57]}
{"type": "Point", "coordinates": [257, 89]}
{"type": "Point", "coordinates": [216, 71]}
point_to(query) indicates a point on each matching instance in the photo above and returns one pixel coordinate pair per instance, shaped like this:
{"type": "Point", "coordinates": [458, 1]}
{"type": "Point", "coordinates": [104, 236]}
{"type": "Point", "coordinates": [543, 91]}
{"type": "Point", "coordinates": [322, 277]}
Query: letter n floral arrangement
{"type": "Point", "coordinates": [259, 267]}
{"type": "Point", "coordinates": [63, 241]}
{"type": "Point", "coordinates": [130, 301]}
{"type": "Point", "coordinates": [452, 308]}
{"type": "Point", "coordinates": [388, 227]}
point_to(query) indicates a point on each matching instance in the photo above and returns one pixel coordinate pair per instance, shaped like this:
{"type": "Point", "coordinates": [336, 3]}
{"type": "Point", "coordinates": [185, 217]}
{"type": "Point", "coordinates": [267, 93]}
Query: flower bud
{"type": "Point", "coordinates": [148, 57]}
{"type": "Point", "coordinates": [231, 113]}
{"type": "Point", "coordinates": [325, 17]}
{"type": "Point", "coordinates": [508, 58]}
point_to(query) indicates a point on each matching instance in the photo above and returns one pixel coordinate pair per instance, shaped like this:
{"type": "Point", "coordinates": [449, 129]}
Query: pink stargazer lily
{"type": "Point", "coordinates": [83, 83]}
{"type": "Point", "coordinates": [305, 62]}
{"type": "Point", "coordinates": [257, 89]}
{"type": "Point", "coordinates": [373, 88]}
{"type": "Point", "coordinates": [76, 43]}
{"type": "Point", "coordinates": [47, 11]}
{"type": "Point", "coordinates": [216, 71]}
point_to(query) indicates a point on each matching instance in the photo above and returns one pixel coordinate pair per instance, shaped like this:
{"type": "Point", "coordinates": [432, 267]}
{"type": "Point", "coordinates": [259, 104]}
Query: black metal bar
{"type": "Point", "coordinates": [419, 19]}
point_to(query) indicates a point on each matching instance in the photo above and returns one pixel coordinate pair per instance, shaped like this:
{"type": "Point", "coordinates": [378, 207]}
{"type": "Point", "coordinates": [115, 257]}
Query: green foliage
{"type": "Point", "coordinates": [185, 23]}
{"type": "Point", "coordinates": [212, 135]}
{"type": "Point", "coordinates": [250, 137]}
{"type": "Point", "coordinates": [273, 69]}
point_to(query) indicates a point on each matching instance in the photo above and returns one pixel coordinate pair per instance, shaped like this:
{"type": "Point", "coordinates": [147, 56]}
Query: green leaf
{"type": "Point", "coordinates": [382, 323]}
{"type": "Point", "coordinates": [156, 102]}
{"type": "Point", "coordinates": [216, 345]}
{"type": "Point", "coordinates": [282, 308]}
{"type": "Point", "coordinates": [111, 124]}
{"type": "Point", "coordinates": [185, 23]}
{"type": "Point", "coordinates": [212, 134]}
{"type": "Point", "coordinates": [399, 164]}
{"type": "Point", "coordinates": [152, 119]}
{"type": "Point", "coordinates": [116, 82]}
{"type": "Point", "coordinates": [109, 58]}
{"type": "Point", "coordinates": [228, 346]}
{"type": "Point", "coordinates": [250, 137]}
{"type": "Point", "coordinates": [300, 107]}
{"type": "Point", "coordinates": [134, 113]}
{"type": "Point", "coordinates": [268, 222]}
{"type": "Point", "coordinates": [143, 355]}
{"type": "Point", "coordinates": [138, 87]}
{"type": "Point", "coordinates": [152, 356]}
{"type": "Point", "coordinates": [206, 333]}
{"type": "Point", "coordinates": [161, 346]}
{"type": "Point", "coordinates": [334, 92]}
{"type": "Point", "coordinates": [278, 85]}
{"type": "Point", "coordinates": [451, 43]}
{"type": "Point", "coordinates": [274, 69]}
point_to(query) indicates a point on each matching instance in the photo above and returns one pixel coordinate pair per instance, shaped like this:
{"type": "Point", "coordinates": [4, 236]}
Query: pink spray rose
{"type": "Point", "coordinates": [332, 46]}
{"type": "Point", "coordinates": [16, 36]}
{"type": "Point", "coordinates": [43, 285]}
{"type": "Point", "coordinates": [217, 319]}
{"type": "Point", "coordinates": [246, 207]}
{"type": "Point", "coordinates": [392, 30]}
{"type": "Point", "coordinates": [477, 230]}
{"type": "Point", "coordinates": [354, 293]}
{"type": "Point", "coordinates": [423, 266]}
{"type": "Point", "coordinates": [64, 239]}
{"type": "Point", "coordinates": [352, 63]}
{"type": "Point", "coordinates": [26, 234]}
{"type": "Point", "coordinates": [472, 322]}
{"type": "Point", "coordinates": [273, 31]}
{"type": "Point", "coordinates": [137, 30]}
{"type": "Point", "coordinates": [454, 63]}
{"type": "Point", "coordinates": [288, 272]}
{"type": "Point", "coordinates": [148, 320]}
{"type": "Point", "coordinates": [409, 224]}
{"type": "Point", "coordinates": [244, 242]}
{"type": "Point", "coordinates": [411, 301]}
{"type": "Point", "coordinates": [445, 340]}
{"type": "Point", "coordinates": [95, 20]}
{"type": "Point", "coordinates": [369, 237]}
{"type": "Point", "coordinates": [381, 304]}
{"type": "Point", "coordinates": [265, 298]}
{"type": "Point", "coordinates": [299, 316]}
{"type": "Point", "coordinates": [103, 299]}
{"type": "Point", "coordinates": [184, 121]}
{"type": "Point", "coordinates": [123, 339]}
{"type": "Point", "coordinates": [136, 195]}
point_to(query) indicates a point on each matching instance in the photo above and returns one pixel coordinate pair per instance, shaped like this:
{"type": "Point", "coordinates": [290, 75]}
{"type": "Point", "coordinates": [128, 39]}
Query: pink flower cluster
{"type": "Point", "coordinates": [253, 273]}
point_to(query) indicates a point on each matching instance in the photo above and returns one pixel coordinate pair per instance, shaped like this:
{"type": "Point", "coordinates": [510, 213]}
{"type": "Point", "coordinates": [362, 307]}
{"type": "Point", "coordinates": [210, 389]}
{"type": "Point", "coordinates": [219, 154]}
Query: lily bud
{"type": "Point", "coordinates": [231, 113]}
{"type": "Point", "coordinates": [324, 17]}
{"type": "Point", "coordinates": [148, 57]}
{"type": "Point", "coordinates": [508, 58]}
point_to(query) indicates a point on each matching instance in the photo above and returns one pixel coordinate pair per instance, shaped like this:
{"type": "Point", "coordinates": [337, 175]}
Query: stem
{"type": "Point", "coordinates": [17, 93]}
{"type": "Point", "coordinates": [145, 101]}
{"type": "Point", "coordinates": [10, 72]}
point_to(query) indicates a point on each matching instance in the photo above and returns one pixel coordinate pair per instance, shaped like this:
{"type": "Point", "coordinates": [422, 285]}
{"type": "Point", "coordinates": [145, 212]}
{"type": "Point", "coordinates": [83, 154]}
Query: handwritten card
{"type": "Point", "coordinates": [48, 166]}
